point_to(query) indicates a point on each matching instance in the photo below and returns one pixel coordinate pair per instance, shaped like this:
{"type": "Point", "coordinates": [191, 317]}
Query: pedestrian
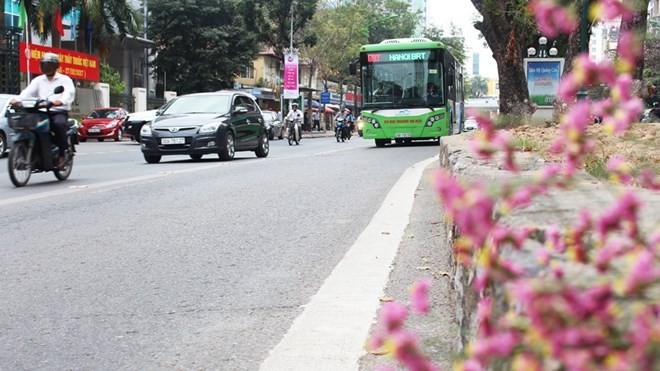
{"type": "Point", "coordinates": [316, 117]}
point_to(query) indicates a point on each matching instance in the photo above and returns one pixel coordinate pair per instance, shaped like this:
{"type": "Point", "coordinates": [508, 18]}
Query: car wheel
{"type": "Point", "coordinates": [281, 136]}
{"type": "Point", "coordinates": [3, 144]}
{"type": "Point", "coordinates": [81, 140]}
{"type": "Point", "coordinates": [196, 157]}
{"type": "Point", "coordinates": [100, 139]}
{"type": "Point", "coordinates": [152, 159]}
{"type": "Point", "coordinates": [264, 146]}
{"type": "Point", "coordinates": [381, 142]}
{"type": "Point", "coordinates": [227, 152]}
{"type": "Point", "coordinates": [119, 136]}
{"type": "Point", "coordinates": [271, 135]}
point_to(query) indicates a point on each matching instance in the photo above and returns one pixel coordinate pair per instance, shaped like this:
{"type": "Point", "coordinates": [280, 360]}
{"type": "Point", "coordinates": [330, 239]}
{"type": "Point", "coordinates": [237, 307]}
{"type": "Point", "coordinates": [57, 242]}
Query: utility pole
{"type": "Point", "coordinates": [584, 27]}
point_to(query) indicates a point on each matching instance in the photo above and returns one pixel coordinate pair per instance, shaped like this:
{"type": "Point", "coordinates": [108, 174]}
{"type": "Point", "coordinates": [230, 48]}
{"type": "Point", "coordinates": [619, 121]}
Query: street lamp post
{"type": "Point", "coordinates": [543, 72]}
{"type": "Point", "coordinates": [584, 27]}
{"type": "Point", "coordinates": [543, 41]}
{"type": "Point", "coordinates": [543, 52]}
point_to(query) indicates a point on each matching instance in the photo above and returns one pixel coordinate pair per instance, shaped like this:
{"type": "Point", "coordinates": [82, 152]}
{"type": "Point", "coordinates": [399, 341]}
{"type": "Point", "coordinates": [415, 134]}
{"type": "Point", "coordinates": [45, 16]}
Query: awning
{"type": "Point", "coordinates": [263, 93]}
{"type": "Point", "coordinates": [315, 104]}
{"type": "Point", "coordinates": [327, 110]}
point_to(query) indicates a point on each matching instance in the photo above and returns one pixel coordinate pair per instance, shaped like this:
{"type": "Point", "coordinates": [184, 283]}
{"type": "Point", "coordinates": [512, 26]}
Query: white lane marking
{"type": "Point", "coordinates": [126, 181]}
{"type": "Point", "coordinates": [331, 331]}
{"type": "Point", "coordinates": [110, 183]}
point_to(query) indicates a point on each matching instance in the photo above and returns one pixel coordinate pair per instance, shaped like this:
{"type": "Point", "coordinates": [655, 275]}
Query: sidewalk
{"type": "Point", "coordinates": [426, 249]}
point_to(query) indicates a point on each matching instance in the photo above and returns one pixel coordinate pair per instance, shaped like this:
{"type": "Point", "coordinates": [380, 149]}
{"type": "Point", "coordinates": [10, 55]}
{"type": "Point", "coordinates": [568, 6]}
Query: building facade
{"type": "Point", "coordinates": [419, 6]}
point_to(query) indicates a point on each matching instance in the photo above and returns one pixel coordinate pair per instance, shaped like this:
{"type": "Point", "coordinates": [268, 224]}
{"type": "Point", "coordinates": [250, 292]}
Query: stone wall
{"type": "Point", "coordinates": [556, 208]}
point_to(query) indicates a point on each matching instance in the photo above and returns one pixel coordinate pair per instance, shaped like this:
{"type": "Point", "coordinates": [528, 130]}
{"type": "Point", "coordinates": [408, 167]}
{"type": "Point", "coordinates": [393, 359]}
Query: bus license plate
{"type": "Point", "coordinates": [402, 135]}
{"type": "Point", "coordinates": [173, 140]}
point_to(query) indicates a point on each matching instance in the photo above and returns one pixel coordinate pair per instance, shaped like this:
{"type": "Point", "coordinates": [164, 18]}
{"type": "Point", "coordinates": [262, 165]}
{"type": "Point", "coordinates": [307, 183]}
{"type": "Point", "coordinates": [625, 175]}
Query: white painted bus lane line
{"type": "Point", "coordinates": [331, 331]}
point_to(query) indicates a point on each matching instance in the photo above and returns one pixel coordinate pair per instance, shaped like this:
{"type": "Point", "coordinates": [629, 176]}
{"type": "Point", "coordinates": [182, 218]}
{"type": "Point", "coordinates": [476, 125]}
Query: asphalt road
{"type": "Point", "coordinates": [182, 264]}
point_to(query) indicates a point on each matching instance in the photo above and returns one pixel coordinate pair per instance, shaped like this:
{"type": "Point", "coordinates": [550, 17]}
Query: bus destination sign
{"type": "Point", "coordinates": [407, 56]}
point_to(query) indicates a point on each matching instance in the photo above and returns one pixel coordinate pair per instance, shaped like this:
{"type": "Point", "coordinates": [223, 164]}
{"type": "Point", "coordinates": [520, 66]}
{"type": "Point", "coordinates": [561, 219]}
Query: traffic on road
{"type": "Point", "coordinates": [127, 265]}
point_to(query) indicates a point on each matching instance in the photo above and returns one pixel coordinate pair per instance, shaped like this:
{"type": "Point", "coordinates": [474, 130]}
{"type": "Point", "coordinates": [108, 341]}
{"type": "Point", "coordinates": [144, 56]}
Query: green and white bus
{"type": "Point", "coordinates": [412, 89]}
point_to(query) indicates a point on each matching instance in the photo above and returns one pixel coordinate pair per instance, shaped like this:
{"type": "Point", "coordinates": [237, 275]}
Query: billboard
{"type": "Point", "coordinates": [79, 66]}
{"type": "Point", "coordinates": [290, 76]}
{"type": "Point", "coordinates": [543, 75]}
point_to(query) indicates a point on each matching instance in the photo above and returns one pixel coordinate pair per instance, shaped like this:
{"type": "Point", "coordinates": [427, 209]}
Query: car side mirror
{"type": "Point", "coordinates": [240, 110]}
{"type": "Point", "coordinates": [59, 89]}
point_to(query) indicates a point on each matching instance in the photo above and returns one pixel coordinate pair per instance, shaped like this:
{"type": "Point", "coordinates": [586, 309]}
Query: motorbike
{"type": "Point", "coordinates": [34, 150]}
{"type": "Point", "coordinates": [341, 129]}
{"type": "Point", "coordinates": [293, 131]}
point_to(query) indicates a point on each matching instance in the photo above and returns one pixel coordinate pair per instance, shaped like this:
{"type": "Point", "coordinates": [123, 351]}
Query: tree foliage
{"type": "Point", "coordinates": [273, 20]}
{"type": "Point", "coordinates": [341, 28]}
{"type": "Point", "coordinates": [201, 44]}
{"type": "Point", "coordinates": [386, 19]}
{"type": "Point", "coordinates": [111, 77]}
{"type": "Point", "coordinates": [108, 19]}
{"type": "Point", "coordinates": [455, 41]}
{"type": "Point", "coordinates": [478, 87]}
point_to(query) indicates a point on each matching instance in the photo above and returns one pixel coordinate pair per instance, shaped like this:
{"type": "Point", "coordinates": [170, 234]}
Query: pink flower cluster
{"type": "Point", "coordinates": [604, 320]}
{"type": "Point", "coordinates": [394, 339]}
{"type": "Point", "coordinates": [553, 20]}
{"type": "Point", "coordinates": [490, 141]}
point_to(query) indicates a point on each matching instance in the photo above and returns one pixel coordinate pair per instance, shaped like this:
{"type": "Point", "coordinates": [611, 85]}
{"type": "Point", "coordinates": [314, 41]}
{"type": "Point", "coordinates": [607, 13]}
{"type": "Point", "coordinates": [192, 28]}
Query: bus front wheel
{"type": "Point", "coordinates": [381, 142]}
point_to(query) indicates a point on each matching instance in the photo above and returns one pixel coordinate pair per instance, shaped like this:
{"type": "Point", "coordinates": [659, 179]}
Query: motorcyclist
{"type": "Point", "coordinates": [42, 87]}
{"type": "Point", "coordinates": [294, 115]}
{"type": "Point", "coordinates": [345, 115]}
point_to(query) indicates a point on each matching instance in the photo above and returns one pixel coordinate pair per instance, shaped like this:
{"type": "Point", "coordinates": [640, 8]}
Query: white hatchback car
{"type": "Point", "coordinates": [470, 124]}
{"type": "Point", "coordinates": [6, 133]}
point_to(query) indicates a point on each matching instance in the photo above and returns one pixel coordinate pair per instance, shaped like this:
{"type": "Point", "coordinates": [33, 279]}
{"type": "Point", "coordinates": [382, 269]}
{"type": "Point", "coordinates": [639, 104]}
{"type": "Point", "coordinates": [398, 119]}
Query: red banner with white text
{"type": "Point", "coordinates": [79, 66]}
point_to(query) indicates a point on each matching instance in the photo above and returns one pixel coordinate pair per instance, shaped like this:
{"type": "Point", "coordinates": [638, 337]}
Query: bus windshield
{"type": "Point", "coordinates": [402, 79]}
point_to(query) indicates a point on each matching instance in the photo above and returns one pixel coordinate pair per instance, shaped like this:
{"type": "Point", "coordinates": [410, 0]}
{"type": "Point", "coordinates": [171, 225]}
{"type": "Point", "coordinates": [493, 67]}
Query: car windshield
{"type": "Point", "coordinates": [104, 114]}
{"type": "Point", "coordinates": [2, 102]}
{"type": "Point", "coordinates": [198, 104]}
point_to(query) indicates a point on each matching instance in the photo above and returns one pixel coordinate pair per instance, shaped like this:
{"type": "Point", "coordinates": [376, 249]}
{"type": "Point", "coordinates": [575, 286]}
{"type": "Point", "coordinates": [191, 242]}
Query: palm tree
{"type": "Point", "coordinates": [478, 86]}
{"type": "Point", "coordinates": [108, 19]}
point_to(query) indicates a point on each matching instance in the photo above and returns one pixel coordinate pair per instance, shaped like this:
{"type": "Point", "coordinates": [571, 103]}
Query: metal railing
{"type": "Point", "coordinates": [10, 76]}
{"type": "Point", "coordinates": [126, 102]}
{"type": "Point", "coordinates": [154, 102]}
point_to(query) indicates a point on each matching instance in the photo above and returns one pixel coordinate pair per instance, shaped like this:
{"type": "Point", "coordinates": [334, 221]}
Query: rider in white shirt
{"type": "Point", "coordinates": [294, 114]}
{"type": "Point", "coordinates": [42, 87]}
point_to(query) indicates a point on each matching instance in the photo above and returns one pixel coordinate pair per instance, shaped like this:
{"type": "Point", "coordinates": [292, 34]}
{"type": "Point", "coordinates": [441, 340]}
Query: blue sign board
{"type": "Point", "coordinates": [543, 76]}
{"type": "Point", "coordinates": [325, 97]}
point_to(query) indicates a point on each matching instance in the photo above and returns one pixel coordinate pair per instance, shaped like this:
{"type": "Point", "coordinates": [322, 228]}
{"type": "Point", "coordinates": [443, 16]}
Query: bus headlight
{"type": "Point", "coordinates": [431, 120]}
{"type": "Point", "coordinates": [374, 122]}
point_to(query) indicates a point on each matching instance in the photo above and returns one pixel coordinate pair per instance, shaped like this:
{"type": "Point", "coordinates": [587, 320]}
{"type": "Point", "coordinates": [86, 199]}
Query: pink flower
{"type": "Point", "coordinates": [406, 350]}
{"type": "Point", "coordinates": [552, 19]}
{"type": "Point", "coordinates": [393, 315]}
{"type": "Point", "coordinates": [484, 317]}
{"type": "Point", "coordinates": [420, 296]}
{"type": "Point", "coordinates": [645, 270]}
{"type": "Point", "coordinates": [647, 179]}
{"type": "Point", "coordinates": [611, 9]}
{"type": "Point", "coordinates": [620, 170]}
{"type": "Point", "coordinates": [554, 239]}
{"type": "Point", "coordinates": [613, 249]}
{"type": "Point", "coordinates": [499, 345]}
{"type": "Point", "coordinates": [625, 210]}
